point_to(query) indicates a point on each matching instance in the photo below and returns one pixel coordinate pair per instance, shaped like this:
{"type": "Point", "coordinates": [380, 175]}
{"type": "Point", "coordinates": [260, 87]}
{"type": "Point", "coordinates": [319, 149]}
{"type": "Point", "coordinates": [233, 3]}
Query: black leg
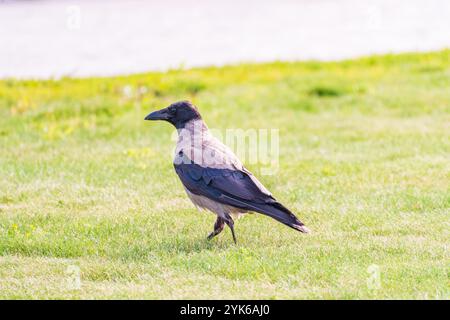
{"type": "Point", "coordinates": [230, 224]}
{"type": "Point", "coordinates": [218, 227]}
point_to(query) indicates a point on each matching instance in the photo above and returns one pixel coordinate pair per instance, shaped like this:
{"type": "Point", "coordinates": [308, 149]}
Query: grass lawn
{"type": "Point", "coordinates": [86, 185]}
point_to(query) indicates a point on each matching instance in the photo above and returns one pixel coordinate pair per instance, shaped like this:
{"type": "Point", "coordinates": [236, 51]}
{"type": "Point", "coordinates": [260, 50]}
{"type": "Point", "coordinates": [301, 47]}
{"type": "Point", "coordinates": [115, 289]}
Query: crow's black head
{"type": "Point", "coordinates": [178, 114]}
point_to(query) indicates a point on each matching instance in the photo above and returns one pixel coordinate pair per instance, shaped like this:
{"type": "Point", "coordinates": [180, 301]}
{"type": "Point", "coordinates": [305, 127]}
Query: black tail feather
{"type": "Point", "coordinates": [282, 214]}
{"type": "Point", "coordinates": [271, 208]}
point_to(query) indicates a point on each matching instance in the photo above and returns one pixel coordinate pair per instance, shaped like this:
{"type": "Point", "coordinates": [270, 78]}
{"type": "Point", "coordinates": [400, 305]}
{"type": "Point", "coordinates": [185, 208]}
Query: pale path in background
{"type": "Point", "coordinates": [42, 39]}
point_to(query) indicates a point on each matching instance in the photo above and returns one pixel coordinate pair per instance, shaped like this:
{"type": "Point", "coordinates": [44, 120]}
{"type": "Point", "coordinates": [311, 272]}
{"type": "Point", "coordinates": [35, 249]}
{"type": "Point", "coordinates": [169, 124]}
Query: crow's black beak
{"type": "Point", "coordinates": [158, 115]}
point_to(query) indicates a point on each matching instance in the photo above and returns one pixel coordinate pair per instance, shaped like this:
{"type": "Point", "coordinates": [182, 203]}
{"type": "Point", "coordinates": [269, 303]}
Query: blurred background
{"type": "Point", "coordinates": [51, 39]}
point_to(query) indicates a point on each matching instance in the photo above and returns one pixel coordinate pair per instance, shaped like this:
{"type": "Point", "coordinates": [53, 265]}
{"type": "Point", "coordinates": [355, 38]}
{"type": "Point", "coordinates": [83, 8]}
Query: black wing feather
{"type": "Point", "coordinates": [235, 188]}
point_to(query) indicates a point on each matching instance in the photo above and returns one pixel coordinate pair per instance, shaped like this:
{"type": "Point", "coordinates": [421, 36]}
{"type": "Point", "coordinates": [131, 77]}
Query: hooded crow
{"type": "Point", "coordinates": [212, 175]}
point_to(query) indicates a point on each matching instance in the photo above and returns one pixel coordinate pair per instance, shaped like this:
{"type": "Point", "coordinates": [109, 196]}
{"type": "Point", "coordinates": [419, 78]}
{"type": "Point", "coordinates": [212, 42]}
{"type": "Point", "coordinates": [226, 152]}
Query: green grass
{"type": "Point", "coordinates": [364, 162]}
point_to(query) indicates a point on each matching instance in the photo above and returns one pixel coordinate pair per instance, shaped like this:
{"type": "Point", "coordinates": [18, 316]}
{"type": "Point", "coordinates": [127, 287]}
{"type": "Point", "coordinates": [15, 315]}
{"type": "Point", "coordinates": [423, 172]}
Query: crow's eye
{"type": "Point", "coordinates": [172, 109]}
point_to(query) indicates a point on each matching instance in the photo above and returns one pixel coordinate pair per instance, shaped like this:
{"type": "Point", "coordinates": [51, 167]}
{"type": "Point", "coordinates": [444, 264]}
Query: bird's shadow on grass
{"type": "Point", "coordinates": [196, 245]}
{"type": "Point", "coordinates": [175, 247]}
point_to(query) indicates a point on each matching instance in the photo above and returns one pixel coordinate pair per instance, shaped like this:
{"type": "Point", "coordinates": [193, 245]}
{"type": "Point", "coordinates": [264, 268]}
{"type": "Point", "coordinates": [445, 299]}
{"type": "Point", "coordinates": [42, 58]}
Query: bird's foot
{"type": "Point", "coordinates": [211, 235]}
